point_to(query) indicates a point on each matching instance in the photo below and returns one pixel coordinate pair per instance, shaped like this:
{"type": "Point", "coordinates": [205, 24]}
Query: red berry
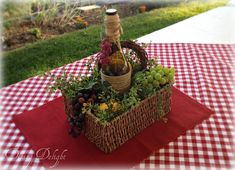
{"type": "Point", "coordinates": [81, 100]}
{"type": "Point", "coordinates": [77, 106]}
{"type": "Point", "coordinates": [86, 96]}
{"type": "Point", "coordinates": [90, 100]}
{"type": "Point", "coordinates": [93, 96]}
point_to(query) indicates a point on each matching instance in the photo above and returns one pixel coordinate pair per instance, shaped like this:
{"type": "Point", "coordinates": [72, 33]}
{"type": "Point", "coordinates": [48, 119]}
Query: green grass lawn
{"type": "Point", "coordinates": [39, 57]}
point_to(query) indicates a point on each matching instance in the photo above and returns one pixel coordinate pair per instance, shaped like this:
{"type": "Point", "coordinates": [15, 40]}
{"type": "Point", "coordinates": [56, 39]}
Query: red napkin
{"type": "Point", "coordinates": [46, 129]}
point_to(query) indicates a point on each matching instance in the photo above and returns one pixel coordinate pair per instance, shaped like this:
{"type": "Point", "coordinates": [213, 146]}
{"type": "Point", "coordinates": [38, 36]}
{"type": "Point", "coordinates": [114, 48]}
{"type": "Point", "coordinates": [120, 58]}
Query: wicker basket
{"type": "Point", "coordinates": [109, 136]}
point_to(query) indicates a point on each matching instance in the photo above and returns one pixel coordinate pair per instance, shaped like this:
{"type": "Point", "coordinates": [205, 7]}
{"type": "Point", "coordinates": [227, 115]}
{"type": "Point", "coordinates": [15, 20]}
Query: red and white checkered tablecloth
{"type": "Point", "coordinates": [203, 71]}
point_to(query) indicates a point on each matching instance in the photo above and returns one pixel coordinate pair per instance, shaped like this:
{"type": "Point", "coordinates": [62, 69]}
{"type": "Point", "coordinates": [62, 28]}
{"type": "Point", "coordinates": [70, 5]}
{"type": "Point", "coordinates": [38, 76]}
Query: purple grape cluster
{"type": "Point", "coordinates": [103, 56]}
{"type": "Point", "coordinates": [76, 124]}
{"type": "Point", "coordinates": [76, 120]}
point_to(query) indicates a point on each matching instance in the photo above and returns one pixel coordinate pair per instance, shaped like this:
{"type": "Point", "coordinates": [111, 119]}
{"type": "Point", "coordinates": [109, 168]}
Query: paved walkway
{"type": "Point", "coordinates": [216, 26]}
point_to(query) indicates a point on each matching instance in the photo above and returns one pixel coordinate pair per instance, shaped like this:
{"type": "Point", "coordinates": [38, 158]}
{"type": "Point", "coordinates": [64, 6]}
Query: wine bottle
{"type": "Point", "coordinates": [113, 30]}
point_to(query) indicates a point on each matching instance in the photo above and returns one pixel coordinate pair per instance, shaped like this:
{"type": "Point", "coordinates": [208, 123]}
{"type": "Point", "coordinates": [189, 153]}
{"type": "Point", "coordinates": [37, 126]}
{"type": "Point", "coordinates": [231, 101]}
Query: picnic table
{"type": "Point", "coordinates": [205, 72]}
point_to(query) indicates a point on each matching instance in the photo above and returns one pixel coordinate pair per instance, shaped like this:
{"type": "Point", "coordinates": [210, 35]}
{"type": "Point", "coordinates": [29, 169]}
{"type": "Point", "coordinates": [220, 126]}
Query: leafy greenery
{"type": "Point", "coordinates": [71, 85]}
{"type": "Point", "coordinates": [12, 9]}
{"type": "Point", "coordinates": [42, 56]}
{"type": "Point", "coordinates": [36, 32]}
{"type": "Point", "coordinates": [131, 99]}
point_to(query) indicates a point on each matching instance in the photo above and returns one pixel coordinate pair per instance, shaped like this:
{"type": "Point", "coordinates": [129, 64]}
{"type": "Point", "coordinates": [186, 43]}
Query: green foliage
{"type": "Point", "coordinates": [8, 24]}
{"type": "Point", "coordinates": [58, 13]}
{"type": "Point", "coordinates": [108, 93]}
{"type": "Point", "coordinates": [104, 116]}
{"type": "Point", "coordinates": [67, 84]}
{"type": "Point", "coordinates": [36, 32]}
{"type": "Point", "coordinates": [45, 16]}
{"type": "Point", "coordinates": [71, 85]}
{"type": "Point", "coordinates": [12, 9]}
{"type": "Point", "coordinates": [40, 18]}
{"type": "Point", "coordinates": [69, 12]}
{"type": "Point", "coordinates": [13, 12]}
{"type": "Point", "coordinates": [80, 25]}
{"type": "Point", "coordinates": [131, 99]}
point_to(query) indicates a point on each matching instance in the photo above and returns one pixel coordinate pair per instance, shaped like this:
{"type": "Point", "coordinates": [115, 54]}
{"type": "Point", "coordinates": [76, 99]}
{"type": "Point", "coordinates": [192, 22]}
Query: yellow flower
{"type": "Point", "coordinates": [78, 18]}
{"type": "Point", "coordinates": [115, 106]}
{"type": "Point", "coordinates": [103, 106]}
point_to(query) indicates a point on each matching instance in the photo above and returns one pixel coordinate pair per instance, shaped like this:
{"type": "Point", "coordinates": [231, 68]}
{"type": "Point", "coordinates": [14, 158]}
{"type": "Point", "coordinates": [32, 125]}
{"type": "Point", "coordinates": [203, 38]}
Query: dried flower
{"type": "Point", "coordinates": [103, 106]}
{"type": "Point", "coordinates": [103, 56]}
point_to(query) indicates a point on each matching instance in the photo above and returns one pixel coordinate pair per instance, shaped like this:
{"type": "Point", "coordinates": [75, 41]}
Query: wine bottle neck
{"type": "Point", "coordinates": [112, 24]}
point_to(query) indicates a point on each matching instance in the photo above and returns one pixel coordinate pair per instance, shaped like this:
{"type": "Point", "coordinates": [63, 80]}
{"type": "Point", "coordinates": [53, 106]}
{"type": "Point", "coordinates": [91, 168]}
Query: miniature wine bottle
{"type": "Point", "coordinates": [113, 30]}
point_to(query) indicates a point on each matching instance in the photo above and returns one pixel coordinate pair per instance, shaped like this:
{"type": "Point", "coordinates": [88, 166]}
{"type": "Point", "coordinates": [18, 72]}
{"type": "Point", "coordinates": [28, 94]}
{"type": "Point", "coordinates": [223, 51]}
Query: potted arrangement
{"type": "Point", "coordinates": [115, 68]}
{"type": "Point", "coordinates": [107, 114]}
{"type": "Point", "coordinates": [142, 8]}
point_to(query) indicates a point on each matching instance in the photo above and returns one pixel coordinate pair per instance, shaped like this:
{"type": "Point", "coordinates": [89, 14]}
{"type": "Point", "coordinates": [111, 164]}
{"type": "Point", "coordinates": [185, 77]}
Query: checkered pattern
{"type": "Point", "coordinates": [204, 72]}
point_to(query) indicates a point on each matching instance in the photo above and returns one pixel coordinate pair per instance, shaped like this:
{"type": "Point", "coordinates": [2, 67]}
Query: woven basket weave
{"type": "Point", "coordinates": [109, 136]}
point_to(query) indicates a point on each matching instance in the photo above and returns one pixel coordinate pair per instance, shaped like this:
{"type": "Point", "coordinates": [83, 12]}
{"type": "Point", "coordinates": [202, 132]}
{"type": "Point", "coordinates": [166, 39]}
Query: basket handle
{"type": "Point", "coordinates": [140, 52]}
